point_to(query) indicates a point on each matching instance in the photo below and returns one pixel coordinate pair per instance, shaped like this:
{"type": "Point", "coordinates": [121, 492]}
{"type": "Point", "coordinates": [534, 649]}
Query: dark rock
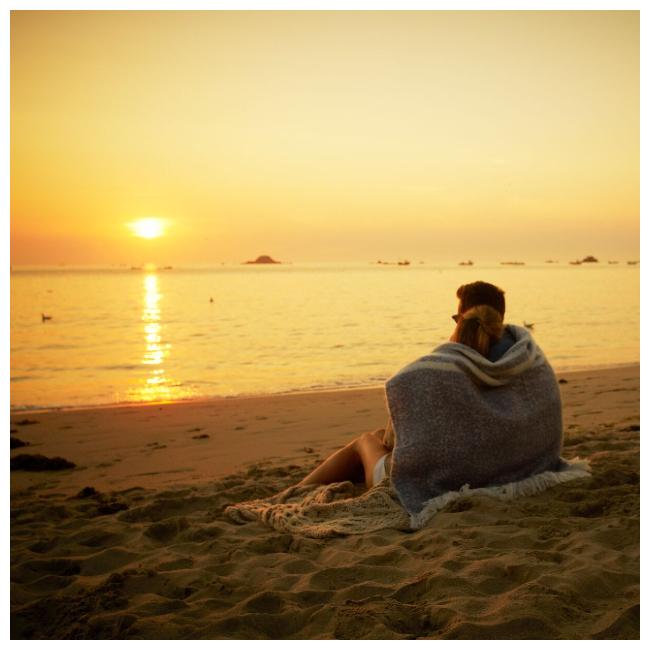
{"type": "Point", "coordinates": [17, 442]}
{"type": "Point", "coordinates": [562, 381]}
{"type": "Point", "coordinates": [263, 259]}
{"type": "Point", "coordinates": [203, 436]}
{"type": "Point", "coordinates": [38, 463]}
{"type": "Point", "coordinates": [88, 492]}
{"type": "Point", "coordinates": [632, 427]}
{"type": "Point", "coordinates": [25, 422]}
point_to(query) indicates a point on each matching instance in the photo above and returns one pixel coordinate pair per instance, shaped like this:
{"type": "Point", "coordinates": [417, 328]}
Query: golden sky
{"type": "Point", "coordinates": [317, 136]}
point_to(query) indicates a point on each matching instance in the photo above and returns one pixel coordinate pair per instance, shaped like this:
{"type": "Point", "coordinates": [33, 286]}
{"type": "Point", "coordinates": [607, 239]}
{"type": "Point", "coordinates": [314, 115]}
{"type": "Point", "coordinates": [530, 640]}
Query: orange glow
{"type": "Point", "coordinates": [324, 135]}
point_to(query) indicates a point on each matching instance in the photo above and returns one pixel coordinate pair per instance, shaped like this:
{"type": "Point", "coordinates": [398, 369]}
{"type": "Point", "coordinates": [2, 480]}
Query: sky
{"type": "Point", "coordinates": [324, 136]}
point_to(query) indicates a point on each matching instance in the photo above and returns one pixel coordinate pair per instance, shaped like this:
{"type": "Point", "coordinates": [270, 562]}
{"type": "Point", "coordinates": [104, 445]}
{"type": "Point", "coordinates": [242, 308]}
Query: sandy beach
{"type": "Point", "coordinates": [132, 542]}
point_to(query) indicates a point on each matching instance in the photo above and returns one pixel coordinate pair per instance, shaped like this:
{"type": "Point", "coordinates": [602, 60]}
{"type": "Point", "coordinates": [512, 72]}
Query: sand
{"type": "Point", "coordinates": [148, 553]}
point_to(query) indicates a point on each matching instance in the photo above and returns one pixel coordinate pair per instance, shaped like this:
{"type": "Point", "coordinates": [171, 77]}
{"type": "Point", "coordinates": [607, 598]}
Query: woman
{"type": "Point", "coordinates": [368, 457]}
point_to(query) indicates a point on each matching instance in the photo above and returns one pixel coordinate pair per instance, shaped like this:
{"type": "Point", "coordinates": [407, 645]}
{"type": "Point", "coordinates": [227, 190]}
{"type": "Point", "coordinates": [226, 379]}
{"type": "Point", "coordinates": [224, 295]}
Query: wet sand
{"type": "Point", "coordinates": [148, 552]}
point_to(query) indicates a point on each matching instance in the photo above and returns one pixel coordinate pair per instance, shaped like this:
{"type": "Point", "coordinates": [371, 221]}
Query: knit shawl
{"type": "Point", "coordinates": [462, 420]}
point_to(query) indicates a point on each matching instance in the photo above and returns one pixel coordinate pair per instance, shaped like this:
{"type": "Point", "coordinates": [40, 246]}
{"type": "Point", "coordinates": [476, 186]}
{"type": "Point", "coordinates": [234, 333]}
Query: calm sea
{"type": "Point", "coordinates": [118, 335]}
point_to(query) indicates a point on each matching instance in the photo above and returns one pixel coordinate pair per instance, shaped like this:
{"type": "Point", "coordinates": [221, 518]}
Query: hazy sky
{"type": "Point", "coordinates": [315, 136]}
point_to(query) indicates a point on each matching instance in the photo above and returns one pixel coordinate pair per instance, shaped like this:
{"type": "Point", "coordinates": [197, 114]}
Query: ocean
{"type": "Point", "coordinates": [119, 335]}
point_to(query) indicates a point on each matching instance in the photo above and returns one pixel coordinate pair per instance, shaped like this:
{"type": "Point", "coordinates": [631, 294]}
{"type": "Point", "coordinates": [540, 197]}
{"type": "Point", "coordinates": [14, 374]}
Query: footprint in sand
{"type": "Point", "coordinates": [154, 446]}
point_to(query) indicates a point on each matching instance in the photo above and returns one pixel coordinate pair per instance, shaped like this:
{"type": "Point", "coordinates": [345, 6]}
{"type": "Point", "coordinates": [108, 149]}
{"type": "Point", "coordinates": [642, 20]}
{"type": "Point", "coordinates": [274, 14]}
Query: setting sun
{"type": "Point", "coordinates": [149, 228]}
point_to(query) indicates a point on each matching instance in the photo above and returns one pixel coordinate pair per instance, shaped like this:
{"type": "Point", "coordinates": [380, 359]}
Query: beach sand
{"type": "Point", "coordinates": [148, 553]}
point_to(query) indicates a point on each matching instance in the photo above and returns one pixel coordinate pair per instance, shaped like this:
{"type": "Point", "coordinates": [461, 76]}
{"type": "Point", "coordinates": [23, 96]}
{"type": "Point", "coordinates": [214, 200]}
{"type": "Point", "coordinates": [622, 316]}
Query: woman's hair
{"type": "Point", "coordinates": [479, 327]}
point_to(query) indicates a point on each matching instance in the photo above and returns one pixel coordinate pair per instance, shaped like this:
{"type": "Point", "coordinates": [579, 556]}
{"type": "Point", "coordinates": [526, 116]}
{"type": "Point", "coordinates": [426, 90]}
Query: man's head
{"type": "Point", "coordinates": [480, 293]}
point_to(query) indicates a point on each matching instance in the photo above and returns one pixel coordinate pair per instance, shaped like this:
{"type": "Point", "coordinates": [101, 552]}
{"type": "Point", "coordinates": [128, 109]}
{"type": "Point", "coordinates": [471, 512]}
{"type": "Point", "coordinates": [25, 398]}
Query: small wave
{"type": "Point", "coordinates": [126, 366]}
{"type": "Point", "coordinates": [56, 346]}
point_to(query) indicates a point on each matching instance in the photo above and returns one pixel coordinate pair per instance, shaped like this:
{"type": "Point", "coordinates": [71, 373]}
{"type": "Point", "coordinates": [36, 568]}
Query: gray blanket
{"type": "Point", "coordinates": [460, 419]}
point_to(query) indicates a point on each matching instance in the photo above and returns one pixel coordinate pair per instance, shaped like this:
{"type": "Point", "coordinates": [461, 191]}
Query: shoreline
{"type": "Point", "coordinates": [159, 444]}
{"type": "Point", "coordinates": [17, 410]}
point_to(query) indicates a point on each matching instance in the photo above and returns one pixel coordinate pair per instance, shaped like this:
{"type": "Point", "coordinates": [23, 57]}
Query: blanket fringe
{"type": "Point", "coordinates": [576, 468]}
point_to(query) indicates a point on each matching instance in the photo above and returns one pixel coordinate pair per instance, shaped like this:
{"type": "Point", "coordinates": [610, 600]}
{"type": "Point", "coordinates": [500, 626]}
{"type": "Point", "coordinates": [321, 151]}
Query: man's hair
{"type": "Point", "coordinates": [481, 293]}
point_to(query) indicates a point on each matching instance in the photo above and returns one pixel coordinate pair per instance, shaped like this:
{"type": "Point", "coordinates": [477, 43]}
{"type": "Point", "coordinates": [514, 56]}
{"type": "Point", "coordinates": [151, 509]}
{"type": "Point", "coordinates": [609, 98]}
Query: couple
{"type": "Point", "coordinates": [483, 409]}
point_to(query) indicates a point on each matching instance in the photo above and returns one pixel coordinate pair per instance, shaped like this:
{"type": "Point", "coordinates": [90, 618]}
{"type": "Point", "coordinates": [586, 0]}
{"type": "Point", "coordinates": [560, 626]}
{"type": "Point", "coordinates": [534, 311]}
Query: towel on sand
{"type": "Point", "coordinates": [338, 509]}
{"type": "Point", "coordinates": [460, 419]}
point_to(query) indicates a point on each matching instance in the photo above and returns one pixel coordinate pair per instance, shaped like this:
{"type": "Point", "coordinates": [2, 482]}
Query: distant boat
{"type": "Point", "coordinates": [403, 263]}
{"type": "Point", "coordinates": [576, 263]}
{"type": "Point", "coordinates": [551, 262]}
{"type": "Point", "coordinates": [513, 263]}
{"type": "Point", "coordinates": [45, 317]}
{"type": "Point", "coordinates": [632, 263]}
{"type": "Point", "coordinates": [468, 263]}
{"type": "Point", "coordinates": [612, 262]}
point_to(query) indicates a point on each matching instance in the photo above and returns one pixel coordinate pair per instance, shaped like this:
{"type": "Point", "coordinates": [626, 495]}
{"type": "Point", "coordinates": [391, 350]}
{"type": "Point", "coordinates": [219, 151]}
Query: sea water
{"type": "Point", "coordinates": [120, 335]}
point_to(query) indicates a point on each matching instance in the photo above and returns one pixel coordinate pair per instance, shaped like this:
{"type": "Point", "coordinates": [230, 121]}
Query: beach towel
{"type": "Point", "coordinates": [337, 509]}
{"type": "Point", "coordinates": [460, 419]}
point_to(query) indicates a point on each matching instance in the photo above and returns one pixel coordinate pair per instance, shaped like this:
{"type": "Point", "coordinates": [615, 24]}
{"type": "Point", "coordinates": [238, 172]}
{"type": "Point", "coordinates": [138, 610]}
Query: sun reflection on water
{"type": "Point", "coordinates": [156, 386]}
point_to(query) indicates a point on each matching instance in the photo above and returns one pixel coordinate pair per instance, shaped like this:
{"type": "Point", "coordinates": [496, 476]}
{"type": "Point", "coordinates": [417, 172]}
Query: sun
{"type": "Point", "coordinates": [148, 228]}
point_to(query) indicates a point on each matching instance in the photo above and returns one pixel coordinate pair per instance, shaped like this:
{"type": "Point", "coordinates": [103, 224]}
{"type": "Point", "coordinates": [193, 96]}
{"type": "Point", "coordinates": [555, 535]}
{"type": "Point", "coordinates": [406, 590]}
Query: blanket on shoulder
{"type": "Point", "coordinates": [460, 419]}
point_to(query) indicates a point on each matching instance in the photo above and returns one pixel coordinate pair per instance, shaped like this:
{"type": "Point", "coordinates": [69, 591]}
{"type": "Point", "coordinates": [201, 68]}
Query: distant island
{"type": "Point", "coordinates": [263, 259]}
{"type": "Point", "coordinates": [590, 259]}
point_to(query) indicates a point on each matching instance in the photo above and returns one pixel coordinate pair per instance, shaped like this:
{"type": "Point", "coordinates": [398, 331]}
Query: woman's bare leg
{"type": "Point", "coordinates": [360, 455]}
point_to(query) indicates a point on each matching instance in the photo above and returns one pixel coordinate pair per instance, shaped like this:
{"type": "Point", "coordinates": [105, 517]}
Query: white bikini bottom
{"type": "Point", "coordinates": [379, 471]}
